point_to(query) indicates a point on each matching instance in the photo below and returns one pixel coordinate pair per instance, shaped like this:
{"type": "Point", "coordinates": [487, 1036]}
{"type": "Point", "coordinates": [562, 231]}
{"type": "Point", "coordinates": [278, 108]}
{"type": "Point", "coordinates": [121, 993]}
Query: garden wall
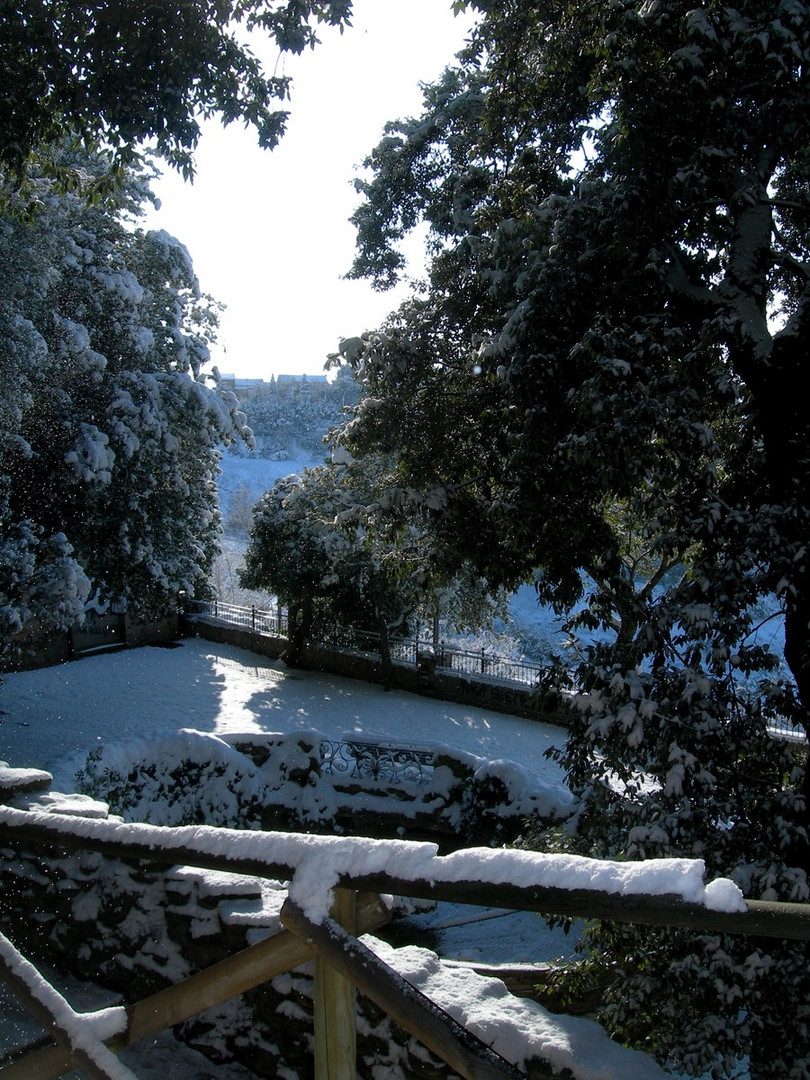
{"type": "Point", "coordinates": [38, 647]}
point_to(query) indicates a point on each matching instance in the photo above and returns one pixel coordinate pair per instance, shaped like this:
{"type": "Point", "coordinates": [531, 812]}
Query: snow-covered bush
{"type": "Point", "coordinates": [278, 781]}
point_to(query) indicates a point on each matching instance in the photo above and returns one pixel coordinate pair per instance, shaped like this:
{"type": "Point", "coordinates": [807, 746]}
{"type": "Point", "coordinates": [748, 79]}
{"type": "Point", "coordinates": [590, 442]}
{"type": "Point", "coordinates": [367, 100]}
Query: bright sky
{"type": "Point", "coordinates": [268, 231]}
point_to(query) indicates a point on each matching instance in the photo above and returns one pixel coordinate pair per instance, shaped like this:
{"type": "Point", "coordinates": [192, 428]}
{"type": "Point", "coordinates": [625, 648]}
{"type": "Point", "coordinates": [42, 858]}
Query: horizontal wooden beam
{"type": "Point", "coordinates": [218, 849]}
{"type": "Point", "coordinates": [411, 1009]}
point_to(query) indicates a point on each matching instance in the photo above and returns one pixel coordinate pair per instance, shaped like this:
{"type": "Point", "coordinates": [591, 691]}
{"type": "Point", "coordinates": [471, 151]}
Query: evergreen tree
{"type": "Point", "coordinates": [333, 545]}
{"type": "Point", "coordinates": [603, 376]}
{"type": "Point", "coordinates": [111, 74]}
{"type": "Point", "coordinates": [108, 444]}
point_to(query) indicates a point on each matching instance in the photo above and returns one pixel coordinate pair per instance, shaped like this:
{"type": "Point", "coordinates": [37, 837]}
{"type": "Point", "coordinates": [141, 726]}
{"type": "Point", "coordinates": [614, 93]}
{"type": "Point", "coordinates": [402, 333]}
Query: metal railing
{"type": "Point", "coordinates": [445, 657]}
{"type": "Point", "coordinates": [261, 620]}
{"type": "Point", "coordinates": [364, 759]}
{"type": "Point", "coordinates": [481, 662]}
{"type": "Point", "coordinates": [478, 664]}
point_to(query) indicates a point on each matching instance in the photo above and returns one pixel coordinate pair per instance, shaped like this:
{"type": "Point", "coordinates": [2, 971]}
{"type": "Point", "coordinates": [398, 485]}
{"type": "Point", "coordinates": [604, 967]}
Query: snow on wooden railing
{"type": "Point", "coordinates": [204, 990]}
{"type": "Point", "coordinates": [661, 892]}
{"type": "Point", "coordinates": [82, 1034]}
{"type": "Point", "coordinates": [326, 873]}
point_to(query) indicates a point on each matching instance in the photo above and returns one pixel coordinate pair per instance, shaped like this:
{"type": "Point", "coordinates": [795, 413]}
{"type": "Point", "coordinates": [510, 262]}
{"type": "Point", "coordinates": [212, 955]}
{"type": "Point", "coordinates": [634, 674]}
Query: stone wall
{"type": "Point", "coordinates": [37, 647]}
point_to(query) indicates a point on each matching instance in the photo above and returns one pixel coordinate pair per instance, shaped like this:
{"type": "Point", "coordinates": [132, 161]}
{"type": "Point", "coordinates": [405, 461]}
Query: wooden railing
{"type": "Point", "coordinates": [357, 870]}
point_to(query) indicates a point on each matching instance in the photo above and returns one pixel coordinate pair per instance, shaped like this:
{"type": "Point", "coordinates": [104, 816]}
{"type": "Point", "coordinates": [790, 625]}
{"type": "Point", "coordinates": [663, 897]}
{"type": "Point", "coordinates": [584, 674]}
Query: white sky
{"type": "Point", "coordinates": [268, 231]}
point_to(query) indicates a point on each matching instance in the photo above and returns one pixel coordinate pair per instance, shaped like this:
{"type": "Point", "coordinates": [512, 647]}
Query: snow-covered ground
{"type": "Point", "coordinates": [52, 717]}
{"type": "Point", "coordinates": [256, 473]}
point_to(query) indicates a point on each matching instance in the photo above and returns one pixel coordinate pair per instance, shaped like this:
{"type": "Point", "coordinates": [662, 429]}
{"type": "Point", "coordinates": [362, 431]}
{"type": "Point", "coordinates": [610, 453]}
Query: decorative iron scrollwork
{"type": "Point", "coordinates": [377, 762]}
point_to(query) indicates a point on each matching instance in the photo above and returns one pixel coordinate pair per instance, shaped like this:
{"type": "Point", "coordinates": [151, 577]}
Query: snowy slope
{"type": "Point", "coordinates": [256, 473]}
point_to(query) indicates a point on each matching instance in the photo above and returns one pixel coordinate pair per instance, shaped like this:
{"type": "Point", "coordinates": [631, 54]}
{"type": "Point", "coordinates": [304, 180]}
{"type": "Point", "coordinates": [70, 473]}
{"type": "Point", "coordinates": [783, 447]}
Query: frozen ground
{"type": "Point", "coordinates": [257, 474]}
{"type": "Point", "coordinates": [51, 718]}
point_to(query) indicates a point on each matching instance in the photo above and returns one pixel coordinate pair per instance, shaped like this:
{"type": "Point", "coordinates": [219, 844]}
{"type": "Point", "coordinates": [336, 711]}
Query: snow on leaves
{"type": "Point", "coordinates": [604, 375]}
{"type": "Point", "coordinates": [111, 433]}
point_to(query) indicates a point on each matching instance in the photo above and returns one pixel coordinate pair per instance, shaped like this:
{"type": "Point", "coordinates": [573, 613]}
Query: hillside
{"type": "Point", "coordinates": [290, 416]}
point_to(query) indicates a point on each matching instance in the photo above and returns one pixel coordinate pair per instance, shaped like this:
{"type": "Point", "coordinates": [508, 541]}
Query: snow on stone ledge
{"type": "Point", "coordinates": [54, 802]}
{"type": "Point", "coordinates": [516, 1028]}
{"type": "Point", "coordinates": [22, 779]}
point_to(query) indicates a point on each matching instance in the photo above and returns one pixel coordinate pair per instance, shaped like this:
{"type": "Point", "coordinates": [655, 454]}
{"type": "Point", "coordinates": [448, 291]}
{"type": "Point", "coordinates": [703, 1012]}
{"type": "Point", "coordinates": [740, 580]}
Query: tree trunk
{"type": "Point", "coordinates": [774, 367]}
{"type": "Point", "coordinates": [299, 624]}
{"type": "Point", "coordinates": [785, 426]}
{"type": "Point", "coordinates": [386, 666]}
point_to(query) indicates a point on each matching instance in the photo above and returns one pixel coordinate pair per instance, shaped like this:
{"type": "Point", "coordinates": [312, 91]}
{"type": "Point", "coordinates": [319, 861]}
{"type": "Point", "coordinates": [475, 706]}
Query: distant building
{"type": "Point", "coordinates": [283, 386]}
{"type": "Point", "coordinates": [307, 386]}
{"type": "Point", "coordinates": [245, 388]}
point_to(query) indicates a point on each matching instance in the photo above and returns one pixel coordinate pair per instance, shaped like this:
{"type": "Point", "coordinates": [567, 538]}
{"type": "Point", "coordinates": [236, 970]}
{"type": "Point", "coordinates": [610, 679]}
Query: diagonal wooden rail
{"type": "Point", "coordinates": [71, 1030]}
{"type": "Point", "coordinates": [411, 1009]}
{"type": "Point", "coordinates": [234, 975]}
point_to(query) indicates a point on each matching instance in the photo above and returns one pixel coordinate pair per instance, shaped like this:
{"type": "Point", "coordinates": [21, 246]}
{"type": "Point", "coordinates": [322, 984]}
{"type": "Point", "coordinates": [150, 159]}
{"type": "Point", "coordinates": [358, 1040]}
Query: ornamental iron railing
{"type": "Point", "coordinates": [366, 760]}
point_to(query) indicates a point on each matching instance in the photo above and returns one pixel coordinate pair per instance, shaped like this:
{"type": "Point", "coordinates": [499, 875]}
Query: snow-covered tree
{"type": "Point", "coordinates": [299, 553]}
{"type": "Point", "coordinates": [110, 435]}
{"type": "Point", "coordinates": [333, 544]}
{"type": "Point", "coordinates": [603, 375]}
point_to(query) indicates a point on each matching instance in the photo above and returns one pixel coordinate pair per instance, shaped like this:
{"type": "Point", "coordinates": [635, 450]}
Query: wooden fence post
{"type": "Point", "coordinates": [459, 1048]}
{"type": "Point", "coordinates": [335, 1024]}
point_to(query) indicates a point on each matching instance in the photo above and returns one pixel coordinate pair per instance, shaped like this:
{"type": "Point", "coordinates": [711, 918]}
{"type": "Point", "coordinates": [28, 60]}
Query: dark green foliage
{"type": "Point", "coordinates": [117, 74]}
{"type": "Point", "coordinates": [308, 547]}
{"type": "Point", "coordinates": [604, 377]}
{"type": "Point", "coordinates": [110, 435]}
